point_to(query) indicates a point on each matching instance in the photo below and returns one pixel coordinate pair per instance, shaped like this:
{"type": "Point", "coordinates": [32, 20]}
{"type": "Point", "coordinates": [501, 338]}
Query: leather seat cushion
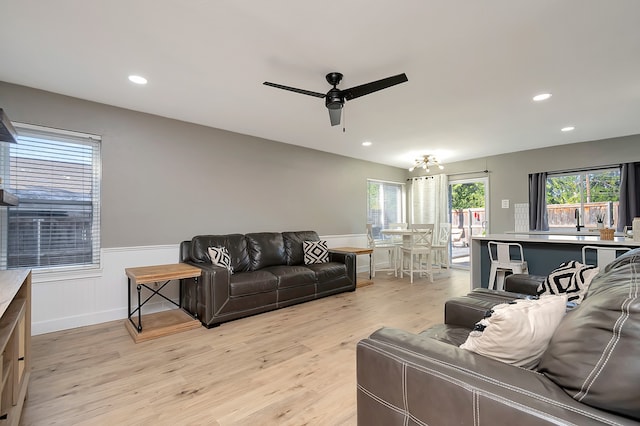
{"type": "Point", "coordinates": [253, 282]}
{"type": "Point", "coordinates": [292, 276]}
{"type": "Point", "coordinates": [594, 352]}
{"type": "Point", "coordinates": [328, 271]}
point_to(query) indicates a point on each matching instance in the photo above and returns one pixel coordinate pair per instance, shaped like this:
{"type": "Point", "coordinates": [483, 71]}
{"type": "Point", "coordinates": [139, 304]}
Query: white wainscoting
{"type": "Point", "coordinates": [65, 300]}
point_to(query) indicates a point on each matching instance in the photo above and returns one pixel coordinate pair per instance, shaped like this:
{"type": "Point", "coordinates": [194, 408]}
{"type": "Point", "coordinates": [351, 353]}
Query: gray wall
{"type": "Point", "coordinates": [164, 180]}
{"type": "Point", "coordinates": [509, 173]}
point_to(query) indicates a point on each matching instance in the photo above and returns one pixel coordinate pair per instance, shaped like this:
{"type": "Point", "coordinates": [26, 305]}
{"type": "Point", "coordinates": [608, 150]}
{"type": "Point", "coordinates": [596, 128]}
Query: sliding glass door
{"type": "Point", "coordinates": [468, 201]}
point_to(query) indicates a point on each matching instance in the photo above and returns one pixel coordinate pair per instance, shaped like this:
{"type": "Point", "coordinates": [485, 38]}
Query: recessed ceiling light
{"type": "Point", "coordinates": [137, 79]}
{"type": "Point", "coordinates": [567, 129]}
{"type": "Point", "coordinates": [542, 97]}
{"type": "Point", "coordinates": [367, 143]}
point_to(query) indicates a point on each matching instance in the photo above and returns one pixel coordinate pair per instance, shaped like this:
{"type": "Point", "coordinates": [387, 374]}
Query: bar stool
{"type": "Point", "coordinates": [604, 255]}
{"type": "Point", "coordinates": [503, 262]}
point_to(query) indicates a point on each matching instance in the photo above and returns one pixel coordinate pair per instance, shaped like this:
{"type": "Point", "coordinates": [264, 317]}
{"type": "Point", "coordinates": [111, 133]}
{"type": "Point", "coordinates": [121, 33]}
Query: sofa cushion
{"type": "Point", "coordinates": [236, 244]}
{"type": "Point", "coordinates": [572, 278]}
{"type": "Point", "coordinates": [293, 245]}
{"type": "Point", "coordinates": [328, 271]}
{"type": "Point", "coordinates": [252, 282]}
{"type": "Point", "coordinates": [265, 249]}
{"type": "Point", "coordinates": [594, 353]}
{"type": "Point", "coordinates": [315, 252]}
{"type": "Point", "coordinates": [220, 257]}
{"type": "Point", "coordinates": [518, 332]}
{"type": "Point", "coordinates": [292, 276]}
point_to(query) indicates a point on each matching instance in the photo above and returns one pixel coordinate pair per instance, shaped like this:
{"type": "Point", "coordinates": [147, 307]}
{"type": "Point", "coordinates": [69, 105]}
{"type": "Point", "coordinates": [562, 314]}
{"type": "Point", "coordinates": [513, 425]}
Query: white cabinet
{"type": "Point", "coordinates": [15, 343]}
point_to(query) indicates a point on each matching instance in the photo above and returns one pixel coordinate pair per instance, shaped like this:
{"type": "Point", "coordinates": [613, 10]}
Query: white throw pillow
{"type": "Point", "coordinates": [518, 333]}
{"type": "Point", "coordinates": [220, 257]}
{"type": "Point", "coordinates": [315, 252]}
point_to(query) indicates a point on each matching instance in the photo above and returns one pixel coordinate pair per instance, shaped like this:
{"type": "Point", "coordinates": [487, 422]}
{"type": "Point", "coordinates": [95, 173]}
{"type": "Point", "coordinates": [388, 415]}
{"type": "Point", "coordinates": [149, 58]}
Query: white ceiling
{"type": "Point", "coordinates": [473, 67]}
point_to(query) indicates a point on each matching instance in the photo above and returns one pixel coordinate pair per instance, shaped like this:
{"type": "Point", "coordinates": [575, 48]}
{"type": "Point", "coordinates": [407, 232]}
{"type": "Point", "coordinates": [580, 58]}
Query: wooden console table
{"type": "Point", "coordinates": [165, 322]}
{"type": "Point", "coordinates": [358, 251]}
{"type": "Point", "coordinates": [15, 343]}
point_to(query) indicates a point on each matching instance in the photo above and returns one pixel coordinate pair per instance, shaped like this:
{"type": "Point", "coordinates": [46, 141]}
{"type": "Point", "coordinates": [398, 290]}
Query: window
{"type": "Point", "coordinates": [385, 204]}
{"type": "Point", "coordinates": [593, 194]}
{"type": "Point", "coordinates": [56, 176]}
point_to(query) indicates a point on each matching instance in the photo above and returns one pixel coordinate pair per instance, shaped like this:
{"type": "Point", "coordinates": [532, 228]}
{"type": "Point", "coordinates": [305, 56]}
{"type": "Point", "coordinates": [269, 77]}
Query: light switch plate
{"type": "Point", "coordinates": [505, 204]}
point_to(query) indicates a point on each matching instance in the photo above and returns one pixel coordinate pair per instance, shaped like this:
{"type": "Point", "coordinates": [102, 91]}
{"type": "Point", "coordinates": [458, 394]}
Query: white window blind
{"type": "Point", "coordinates": [56, 176]}
{"type": "Point", "coordinates": [385, 204]}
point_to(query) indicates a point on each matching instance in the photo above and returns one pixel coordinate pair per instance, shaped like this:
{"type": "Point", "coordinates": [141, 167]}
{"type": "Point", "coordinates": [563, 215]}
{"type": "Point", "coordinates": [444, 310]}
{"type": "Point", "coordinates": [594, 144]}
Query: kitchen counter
{"type": "Point", "coordinates": [543, 251]}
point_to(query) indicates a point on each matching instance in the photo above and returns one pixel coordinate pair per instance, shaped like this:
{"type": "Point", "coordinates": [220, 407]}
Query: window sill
{"type": "Point", "coordinates": [51, 275]}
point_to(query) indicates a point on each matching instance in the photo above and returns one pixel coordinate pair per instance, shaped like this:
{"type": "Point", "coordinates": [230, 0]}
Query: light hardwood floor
{"type": "Point", "coordinates": [293, 366]}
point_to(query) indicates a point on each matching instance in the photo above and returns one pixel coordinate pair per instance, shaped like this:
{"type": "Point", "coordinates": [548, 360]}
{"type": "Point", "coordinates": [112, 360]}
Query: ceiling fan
{"type": "Point", "coordinates": [334, 98]}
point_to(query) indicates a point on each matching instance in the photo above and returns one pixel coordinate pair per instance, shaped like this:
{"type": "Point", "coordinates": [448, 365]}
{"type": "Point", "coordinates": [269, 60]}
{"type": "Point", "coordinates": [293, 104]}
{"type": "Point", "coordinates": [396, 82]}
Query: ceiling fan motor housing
{"type": "Point", "coordinates": [334, 99]}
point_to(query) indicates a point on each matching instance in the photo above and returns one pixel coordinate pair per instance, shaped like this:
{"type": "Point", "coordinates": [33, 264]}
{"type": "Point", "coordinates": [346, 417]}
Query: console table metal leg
{"type": "Point", "coordinates": [195, 311]}
{"type": "Point", "coordinates": [139, 287]}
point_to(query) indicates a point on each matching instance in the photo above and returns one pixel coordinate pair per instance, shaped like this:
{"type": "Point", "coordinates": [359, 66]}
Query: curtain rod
{"type": "Point", "coordinates": [451, 174]}
{"type": "Point", "coordinates": [468, 173]}
{"type": "Point", "coordinates": [585, 169]}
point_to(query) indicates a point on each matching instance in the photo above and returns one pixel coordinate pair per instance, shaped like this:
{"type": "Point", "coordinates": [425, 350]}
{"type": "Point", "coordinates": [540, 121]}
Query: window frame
{"type": "Point", "coordinates": [94, 142]}
{"type": "Point", "coordinates": [584, 219]}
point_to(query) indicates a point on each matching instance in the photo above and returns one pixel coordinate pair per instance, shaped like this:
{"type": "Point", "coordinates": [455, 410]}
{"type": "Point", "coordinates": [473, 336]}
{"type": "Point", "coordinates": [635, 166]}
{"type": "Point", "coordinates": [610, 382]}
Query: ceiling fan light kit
{"type": "Point", "coordinates": [426, 162]}
{"type": "Point", "coordinates": [335, 98]}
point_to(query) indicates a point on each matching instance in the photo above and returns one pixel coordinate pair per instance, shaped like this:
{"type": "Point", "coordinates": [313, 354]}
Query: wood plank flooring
{"type": "Point", "coordinates": [293, 366]}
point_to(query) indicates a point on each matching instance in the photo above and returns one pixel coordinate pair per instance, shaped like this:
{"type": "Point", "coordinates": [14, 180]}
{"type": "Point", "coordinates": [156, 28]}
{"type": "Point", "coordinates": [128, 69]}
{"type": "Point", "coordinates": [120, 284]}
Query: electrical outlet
{"type": "Point", "coordinates": [505, 204]}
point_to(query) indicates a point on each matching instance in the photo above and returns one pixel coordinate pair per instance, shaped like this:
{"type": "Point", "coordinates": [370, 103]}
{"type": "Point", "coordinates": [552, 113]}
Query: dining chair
{"type": "Point", "coordinates": [416, 253]}
{"type": "Point", "coordinates": [382, 247]}
{"type": "Point", "coordinates": [503, 260]}
{"type": "Point", "coordinates": [440, 247]}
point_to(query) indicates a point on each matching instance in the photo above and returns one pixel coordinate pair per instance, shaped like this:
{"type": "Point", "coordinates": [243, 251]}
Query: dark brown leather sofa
{"type": "Point", "coordinates": [589, 374]}
{"type": "Point", "coordinates": [269, 273]}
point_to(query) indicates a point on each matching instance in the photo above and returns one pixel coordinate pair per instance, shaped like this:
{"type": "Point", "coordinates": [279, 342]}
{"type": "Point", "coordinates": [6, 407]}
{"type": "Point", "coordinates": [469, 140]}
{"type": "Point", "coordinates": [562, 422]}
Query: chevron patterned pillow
{"type": "Point", "coordinates": [570, 277]}
{"type": "Point", "coordinates": [315, 252]}
{"type": "Point", "coordinates": [220, 257]}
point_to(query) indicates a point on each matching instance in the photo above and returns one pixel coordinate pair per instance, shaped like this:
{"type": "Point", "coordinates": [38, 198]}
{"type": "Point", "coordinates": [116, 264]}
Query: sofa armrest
{"type": "Point", "coordinates": [211, 292]}
{"type": "Point", "coordinates": [466, 311]}
{"type": "Point", "coordinates": [349, 259]}
{"type": "Point", "coordinates": [407, 378]}
{"type": "Point", "coordinates": [523, 283]}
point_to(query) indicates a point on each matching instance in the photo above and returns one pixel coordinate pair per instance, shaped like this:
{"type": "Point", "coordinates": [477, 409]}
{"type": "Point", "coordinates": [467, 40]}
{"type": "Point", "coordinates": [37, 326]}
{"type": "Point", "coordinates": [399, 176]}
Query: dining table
{"type": "Point", "coordinates": [405, 233]}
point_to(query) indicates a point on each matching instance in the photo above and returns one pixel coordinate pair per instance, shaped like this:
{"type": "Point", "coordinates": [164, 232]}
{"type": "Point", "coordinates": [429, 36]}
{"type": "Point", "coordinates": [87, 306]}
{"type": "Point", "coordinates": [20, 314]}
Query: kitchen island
{"type": "Point", "coordinates": [543, 252]}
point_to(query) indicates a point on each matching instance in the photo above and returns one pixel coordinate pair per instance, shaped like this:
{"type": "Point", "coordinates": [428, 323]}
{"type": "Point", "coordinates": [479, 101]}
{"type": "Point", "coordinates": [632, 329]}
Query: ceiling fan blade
{"type": "Point", "coordinates": [374, 86]}
{"type": "Point", "coordinates": [293, 89]}
{"type": "Point", "coordinates": [334, 116]}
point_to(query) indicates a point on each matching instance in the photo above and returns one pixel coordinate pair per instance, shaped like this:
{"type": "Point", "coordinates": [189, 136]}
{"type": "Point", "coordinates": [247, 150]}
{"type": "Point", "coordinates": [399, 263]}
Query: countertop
{"type": "Point", "coordinates": [553, 238]}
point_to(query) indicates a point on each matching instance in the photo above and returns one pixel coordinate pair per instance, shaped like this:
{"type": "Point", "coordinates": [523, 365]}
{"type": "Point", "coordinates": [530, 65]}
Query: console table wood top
{"type": "Point", "coordinates": [155, 273]}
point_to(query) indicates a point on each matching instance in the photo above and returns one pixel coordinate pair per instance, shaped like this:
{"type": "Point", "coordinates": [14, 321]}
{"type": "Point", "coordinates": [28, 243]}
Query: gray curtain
{"type": "Point", "coordinates": [538, 220]}
{"type": "Point", "coordinates": [629, 199]}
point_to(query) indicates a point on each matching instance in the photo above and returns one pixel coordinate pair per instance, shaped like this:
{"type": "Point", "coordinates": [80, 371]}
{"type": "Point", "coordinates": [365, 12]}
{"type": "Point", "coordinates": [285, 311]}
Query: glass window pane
{"type": "Point", "coordinates": [592, 195]}
{"type": "Point", "coordinates": [385, 205]}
